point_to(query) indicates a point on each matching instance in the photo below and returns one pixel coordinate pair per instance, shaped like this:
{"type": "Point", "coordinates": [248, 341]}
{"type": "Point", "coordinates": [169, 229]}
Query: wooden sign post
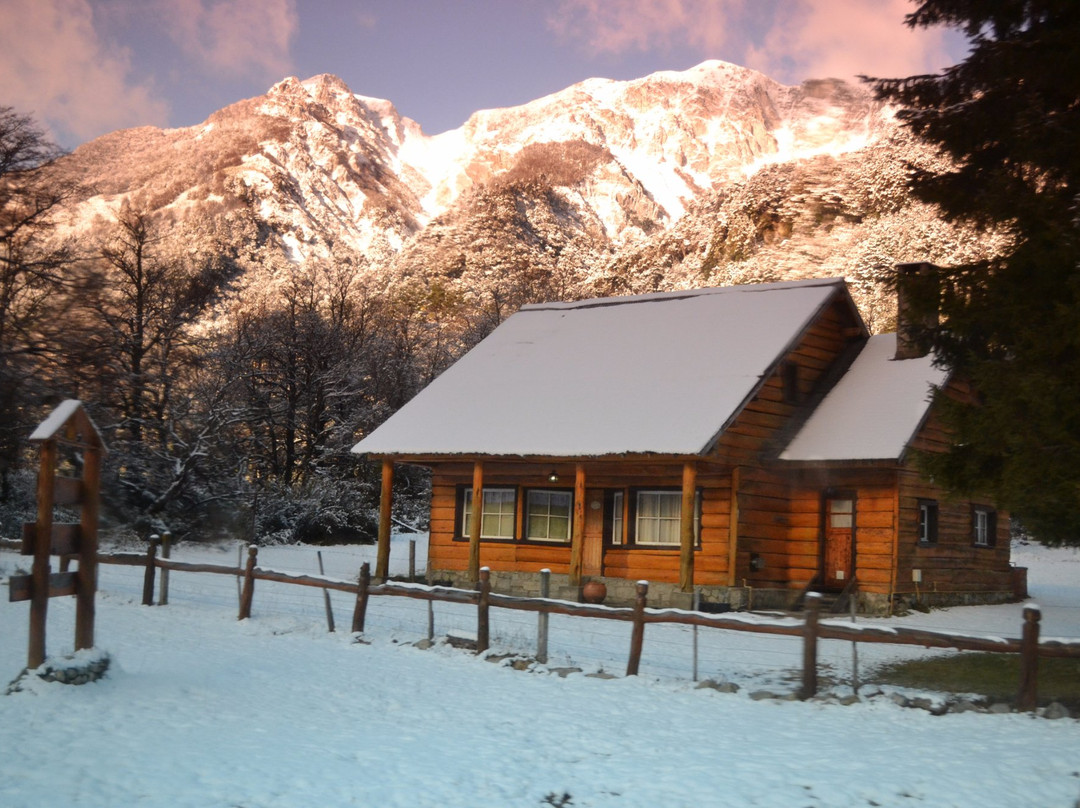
{"type": "Point", "coordinates": [69, 427]}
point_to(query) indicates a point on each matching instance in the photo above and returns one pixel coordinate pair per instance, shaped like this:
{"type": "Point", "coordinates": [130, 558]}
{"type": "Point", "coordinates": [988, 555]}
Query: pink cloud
{"type": "Point", "coordinates": [803, 39]}
{"type": "Point", "coordinates": [53, 65]}
{"type": "Point", "coordinates": [248, 38]}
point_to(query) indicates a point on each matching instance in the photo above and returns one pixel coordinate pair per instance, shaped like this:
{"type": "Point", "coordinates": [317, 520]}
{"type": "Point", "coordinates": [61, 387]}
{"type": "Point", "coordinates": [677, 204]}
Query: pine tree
{"type": "Point", "coordinates": [1008, 116]}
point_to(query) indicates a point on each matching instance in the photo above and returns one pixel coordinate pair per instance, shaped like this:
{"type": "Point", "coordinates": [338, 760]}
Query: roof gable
{"type": "Point", "coordinates": [656, 373]}
{"type": "Point", "coordinates": [875, 409]}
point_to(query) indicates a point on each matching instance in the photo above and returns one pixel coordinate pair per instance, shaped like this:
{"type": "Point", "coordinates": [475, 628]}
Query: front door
{"type": "Point", "coordinates": [838, 562]}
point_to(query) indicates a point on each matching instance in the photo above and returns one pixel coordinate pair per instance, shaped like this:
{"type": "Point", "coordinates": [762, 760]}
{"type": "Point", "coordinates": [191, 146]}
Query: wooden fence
{"type": "Point", "coordinates": [1028, 646]}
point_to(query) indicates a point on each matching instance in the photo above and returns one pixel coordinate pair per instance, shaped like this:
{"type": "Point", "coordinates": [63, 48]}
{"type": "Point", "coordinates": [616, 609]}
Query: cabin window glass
{"type": "Point", "coordinates": [928, 521]}
{"type": "Point", "coordinates": [841, 512]}
{"type": "Point", "coordinates": [983, 526]}
{"type": "Point", "coordinates": [497, 513]}
{"type": "Point", "coordinates": [617, 517]}
{"type": "Point", "coordinates": [658, 516]}
{"type": "Point", "coordinates": [548, 515]}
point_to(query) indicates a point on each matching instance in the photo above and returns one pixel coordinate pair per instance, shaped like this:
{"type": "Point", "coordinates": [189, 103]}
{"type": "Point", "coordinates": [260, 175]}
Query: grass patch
{"type": "Point", "coordinates": [995, 676]}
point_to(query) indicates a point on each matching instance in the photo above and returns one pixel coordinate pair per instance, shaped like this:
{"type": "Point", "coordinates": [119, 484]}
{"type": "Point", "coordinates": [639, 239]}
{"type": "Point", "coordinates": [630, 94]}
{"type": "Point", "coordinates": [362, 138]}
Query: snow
{"type": "Point", "coordinates": [198, 709]}
{"type": "Point", "coordinates": [651, 373]}
{"type": "Point", "coordinates": [873, 411]}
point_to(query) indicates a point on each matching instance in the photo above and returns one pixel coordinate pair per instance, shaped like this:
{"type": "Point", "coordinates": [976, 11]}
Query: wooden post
{"type": "Point", "coordinates": [148, 575]}
{"type": "Point", "coordinates": [249, 583]}
{"type": "Point", "coordinates": [431, 621]}
{"type": "Point", "coordinates": [386, 503]}
{"type": "Point", "coordinates": [475, 520]}
{"type": "Point", "coordinates": [637, 636]}
{"type": "Point", "coordinates": [87, 575]}
{"type": "Point", "coordinates": [482, 612]}
{"type": "Point", "coordinates": [697, 608]}
{"type": "Point", "coordinates": [810, 638]}
{"type": "Point", "coordinates": [360, 610]}
{"type": "Point", "coordinates": [166, 552]}
{"type": "Point", "coordinates": [1027, 699]}
{"type": "Point", "coordinates": [39, 572]}
{"type": "Point", "coordinates": [412, 559]}
{"type": "Point", "coordinates": [326, 596]}
{"type": "Point", "coordinates": [733, 527]}
{"type": "Point", "coordinates": [686, 527]}
{"type": "Point", "coordinates": [577, 535]}
{"type": "Point", "coordinates": [542, 619]}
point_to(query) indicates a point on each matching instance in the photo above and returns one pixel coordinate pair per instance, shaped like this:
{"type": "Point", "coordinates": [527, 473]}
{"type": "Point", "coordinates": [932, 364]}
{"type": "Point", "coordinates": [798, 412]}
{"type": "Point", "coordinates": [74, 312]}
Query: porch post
{"type": "Point", "coordinates": [686, 527]}
{"type": "Point", "coordinates": [477, 518]}
{"type": "Point", "coordinates": [577, 536]}
{"type": "Point", "coordinates": [386, 502]}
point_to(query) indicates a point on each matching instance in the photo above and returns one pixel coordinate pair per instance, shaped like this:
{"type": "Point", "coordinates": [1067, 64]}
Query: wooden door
{"type": "Point", "coordinates": [838, 556]}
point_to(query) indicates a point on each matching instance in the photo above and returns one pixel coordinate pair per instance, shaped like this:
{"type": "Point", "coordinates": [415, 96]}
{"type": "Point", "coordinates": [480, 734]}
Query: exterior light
{"type": "Point", "coordinates": [553, 477]}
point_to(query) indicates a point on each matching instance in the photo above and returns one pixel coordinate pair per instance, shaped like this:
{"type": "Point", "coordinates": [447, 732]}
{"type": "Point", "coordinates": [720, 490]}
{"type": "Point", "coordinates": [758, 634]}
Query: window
{"type": "Point", "coordinates": [497, 514]}
{"type": "Point", "coordinates": [617, 500]}
{"type": "Point", "coordinates": [928, 521]}
{"type": "Point", "coordinates": [657, 517]}
{"type": "Point", "coordinates": [547, 515]}
{"type": "Point", "coordinates": [841, 513]}
{"type": "Point", "coordinates": [983, 526]}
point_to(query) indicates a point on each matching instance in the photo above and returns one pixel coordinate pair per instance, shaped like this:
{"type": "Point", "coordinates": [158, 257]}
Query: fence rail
{"type": "Point", "coordinates": [808, 626]}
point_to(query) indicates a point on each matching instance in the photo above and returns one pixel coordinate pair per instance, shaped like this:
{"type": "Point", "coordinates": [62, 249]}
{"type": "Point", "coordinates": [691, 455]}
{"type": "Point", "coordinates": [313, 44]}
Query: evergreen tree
{"type": "Point", "coordinates": [1008, 116]}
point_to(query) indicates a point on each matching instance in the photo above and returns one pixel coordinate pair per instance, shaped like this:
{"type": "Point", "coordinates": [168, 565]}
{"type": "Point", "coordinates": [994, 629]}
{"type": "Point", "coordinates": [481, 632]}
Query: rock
{"type": "Point", "coordinates": [423, 644]}
{"type": "Point", "coordinates": [601, 675]}
{"type": "Point", "coordinates": [1000, 708]}
{"type": "Point", "coordinates": [521, 664]}
{"type": "Point", "coordinates": [899, 699]}
{"type": "Point", "coordinates": [564, 672]}
{"type": "Point", "coordinates": [719, 687]}
{"type": "Point", "coordinates": [848, 700]}
{"type": "Point", "coordinates": [1054, 710]}
{"type": "Point", "coordinates": [964, 706]}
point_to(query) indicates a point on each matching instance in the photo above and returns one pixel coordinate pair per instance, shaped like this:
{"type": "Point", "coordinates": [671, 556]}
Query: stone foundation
{"type": "Point", "coordinates": [622, 592]}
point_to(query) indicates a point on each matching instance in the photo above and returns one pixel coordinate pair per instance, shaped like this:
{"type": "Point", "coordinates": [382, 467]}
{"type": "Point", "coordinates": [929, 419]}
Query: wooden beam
{"type": "Point", "coordinates": [686, 527]}
{"type": "Point", "coordinates": [65, 538]}
{"type": "Point", "coordinates": [90, 489]}
{"type": "Point", "coordinates": [476, 518]}
{"type": "Point", "coordinates": [386, 504]}
{"type": "Point", "coordinates": [733, 527]}
{"type": "Point", "coordinates": [577, 535]}
{"type": "Point", "coordinates": [39, 573]}
{"type": "Point", "coordinates": [20, 587]}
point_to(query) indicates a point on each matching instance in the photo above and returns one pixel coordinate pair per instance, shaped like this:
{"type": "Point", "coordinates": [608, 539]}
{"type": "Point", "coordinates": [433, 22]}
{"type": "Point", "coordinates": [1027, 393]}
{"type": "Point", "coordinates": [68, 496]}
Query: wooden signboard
{"type": "Point", "coordinates": [69, 428]}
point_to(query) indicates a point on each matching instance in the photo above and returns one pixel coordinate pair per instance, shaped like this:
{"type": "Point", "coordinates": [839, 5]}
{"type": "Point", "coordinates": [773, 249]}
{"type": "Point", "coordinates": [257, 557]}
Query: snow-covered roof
{"type": "Point", "coordinates": [659, 373]}
{"type": "Point", "coordinates": [874, 411]}
{"type": "Point", "coordinates": [59, 418]}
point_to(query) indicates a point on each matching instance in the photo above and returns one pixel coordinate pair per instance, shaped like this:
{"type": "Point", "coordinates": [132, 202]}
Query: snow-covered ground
{"type": "Point", "coordinates": [201, 710]}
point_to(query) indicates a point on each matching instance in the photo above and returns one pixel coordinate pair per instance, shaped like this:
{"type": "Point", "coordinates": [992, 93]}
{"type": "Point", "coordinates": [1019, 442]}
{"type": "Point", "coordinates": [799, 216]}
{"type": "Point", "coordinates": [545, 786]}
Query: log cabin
{"type": "Point", "coordinates": [746, 444]}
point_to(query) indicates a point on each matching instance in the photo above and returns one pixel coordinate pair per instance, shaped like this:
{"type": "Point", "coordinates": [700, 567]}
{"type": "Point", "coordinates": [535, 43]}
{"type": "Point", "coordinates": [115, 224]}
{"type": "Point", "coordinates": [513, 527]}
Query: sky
{"type": "Point", "coordinates": [82, 68]}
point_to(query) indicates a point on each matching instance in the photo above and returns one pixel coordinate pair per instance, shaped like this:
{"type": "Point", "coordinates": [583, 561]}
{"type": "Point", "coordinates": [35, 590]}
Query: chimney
{"type": "Point", "coordinates": [917, 305]}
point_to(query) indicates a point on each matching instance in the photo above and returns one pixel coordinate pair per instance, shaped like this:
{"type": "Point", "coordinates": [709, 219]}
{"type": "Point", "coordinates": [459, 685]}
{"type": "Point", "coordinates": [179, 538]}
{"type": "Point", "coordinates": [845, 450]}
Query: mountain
{"type": "Point", "coordinates": [715, 174]}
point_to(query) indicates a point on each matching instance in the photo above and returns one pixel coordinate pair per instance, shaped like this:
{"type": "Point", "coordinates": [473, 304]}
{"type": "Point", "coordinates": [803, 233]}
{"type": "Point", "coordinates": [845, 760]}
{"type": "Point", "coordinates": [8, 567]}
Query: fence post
{"type": "Point", "coordinates": [412, 559]}
{"type": "Point", "coordinates": [1027, 698]}
{"type": "Point", "coordinates": [697, 608]}
{"type": "Point", "coordinates": [326, 596]}
{"type": "Point", "coordinates": [542, 619]}
{"type": "Point", "coordinates": [482, 611]}
{"type": "Point", "coordinates": [249, 583]}
{"type": "Point", "coordinates": [431, 621]}
{"type": "Point", "coordinates": [360, 610]}
{"type": "Point", "coordinates": [148, 576]}
{"type": "Point", "coordinates": [166, 552]}
{"type": "Point", "coordinates": [810, 638]}
{"type": "Point", "coordinates": [637, 636]}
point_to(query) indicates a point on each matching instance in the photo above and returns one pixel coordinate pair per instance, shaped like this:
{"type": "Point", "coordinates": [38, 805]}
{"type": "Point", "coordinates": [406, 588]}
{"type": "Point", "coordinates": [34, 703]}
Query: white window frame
{"type": "Point", "coordinates": [488, 510]}
{"type": "Point", "coordinates": [980, 526]}
{"type": "Point", "coordinates": [618, 530]}
{"type": "Point", "coordinates": [676, 496]}
{"type": "Point", "coordinates": [547, 515]}
{"type": "Point", "coordinates": [927, 524]}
